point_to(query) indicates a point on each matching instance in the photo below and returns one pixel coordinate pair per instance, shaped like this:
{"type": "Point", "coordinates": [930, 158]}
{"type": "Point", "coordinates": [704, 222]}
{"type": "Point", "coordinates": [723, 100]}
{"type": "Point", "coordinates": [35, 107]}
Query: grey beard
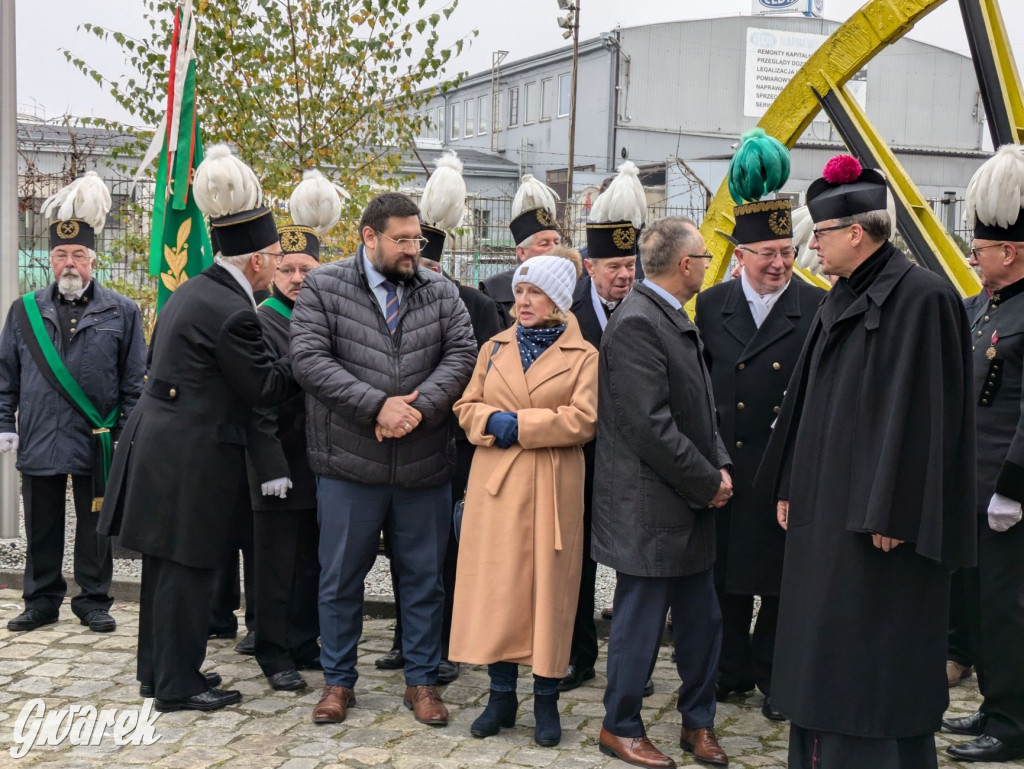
{"type": "Point", "coordinates": [70, 282]}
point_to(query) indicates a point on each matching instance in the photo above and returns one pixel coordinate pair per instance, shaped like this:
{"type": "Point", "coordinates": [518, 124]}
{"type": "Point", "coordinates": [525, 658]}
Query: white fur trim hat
{"type": "Point", "coordinates": [554, 275]}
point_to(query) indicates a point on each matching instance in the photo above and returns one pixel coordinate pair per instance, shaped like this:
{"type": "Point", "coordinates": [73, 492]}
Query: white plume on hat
{"type": "Point", "coordinates": [554, 275]}
{"type": "Point", "coordinates": [444, 197]}
{"type": "Point", "coordinates": [624, 200]}
{"type": "Point", "coordinates": [532, 194]}
{"type": "Point", "coordinates": [224, 185]}
{"type": "Point", "coordinates": [315, 203]}
{"type": "Point", "coordinates": [995, 194]}
{"type": "Point", "coordinates": [803, 226]}
{"type": "Point", "coordinates": [86, 198]}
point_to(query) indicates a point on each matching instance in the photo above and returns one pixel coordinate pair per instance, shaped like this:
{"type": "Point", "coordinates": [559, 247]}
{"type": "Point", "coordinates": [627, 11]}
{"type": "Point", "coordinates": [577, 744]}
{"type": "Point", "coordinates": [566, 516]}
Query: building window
{"type": "Point", "coordinates": [545, 98]}
{"type": "Point", "coordinates": [483, 222]}
{"type": "Point", "coordinates": [470, 122]}
{"type": "Point", "coordinates": [482, 114]}
{"type": "Point", "coordinates": [513, 107]}
{"type": "Point", "coordinates": [531, 103]}
{"type": "Point", "coordinates": [564, 94]}
{"type": "Point", "coordinates": [496, 111]}
{"type": "Point", "coordinates": [456, 126]}
{"type": "Point", "coordinates": [440, 124]}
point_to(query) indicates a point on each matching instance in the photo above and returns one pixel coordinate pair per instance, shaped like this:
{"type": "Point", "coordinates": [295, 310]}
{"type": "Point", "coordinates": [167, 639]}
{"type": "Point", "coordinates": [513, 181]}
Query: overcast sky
{"type": "Point", "coordinates": [49, 87]}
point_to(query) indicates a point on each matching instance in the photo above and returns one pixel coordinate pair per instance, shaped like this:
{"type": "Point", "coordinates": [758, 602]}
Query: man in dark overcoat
{"type": "Point", "coordinates": [753, 328]}
{"type": "Point", "coordinates": [180, 464]}
{"type": "Point", "coordinates": [96, 335]}
{"type": "Point", "coordinates": [873, 454]}
{"type": "Point", "coordinates": [994, 591]}
{"type": "Point", "coordinates": [661, 473]}
{"type": "Point", "coordinates": [610, 269]}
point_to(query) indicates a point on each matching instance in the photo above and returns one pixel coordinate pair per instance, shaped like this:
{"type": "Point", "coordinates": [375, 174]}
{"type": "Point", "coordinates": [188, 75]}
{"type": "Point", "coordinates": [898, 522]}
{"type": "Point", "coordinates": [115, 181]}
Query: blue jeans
{"type": "Point", "coordinates": [505, 674]}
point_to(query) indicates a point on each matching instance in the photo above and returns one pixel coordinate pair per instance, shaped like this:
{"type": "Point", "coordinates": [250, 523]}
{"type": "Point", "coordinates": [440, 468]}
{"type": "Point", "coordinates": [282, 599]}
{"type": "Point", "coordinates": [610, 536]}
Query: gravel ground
{"type": "Point", "coordinates": [378, 581]}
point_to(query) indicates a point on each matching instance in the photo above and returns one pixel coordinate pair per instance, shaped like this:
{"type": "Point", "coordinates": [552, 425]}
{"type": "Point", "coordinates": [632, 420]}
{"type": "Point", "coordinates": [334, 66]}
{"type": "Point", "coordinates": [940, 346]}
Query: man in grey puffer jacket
{"type": "Point", "coordinates": [383, 349]}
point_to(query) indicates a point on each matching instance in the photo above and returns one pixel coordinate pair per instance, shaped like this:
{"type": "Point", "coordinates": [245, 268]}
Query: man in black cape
{"type": "Point", "coordinates": [872, 460]}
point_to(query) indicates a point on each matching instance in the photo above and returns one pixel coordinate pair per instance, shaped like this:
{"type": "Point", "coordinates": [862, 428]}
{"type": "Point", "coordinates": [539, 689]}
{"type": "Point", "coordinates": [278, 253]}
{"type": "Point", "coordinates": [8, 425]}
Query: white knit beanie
{"type": "Point", "coordinates": [554, 275]}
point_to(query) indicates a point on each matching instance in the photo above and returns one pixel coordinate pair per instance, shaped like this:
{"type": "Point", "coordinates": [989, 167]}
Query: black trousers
{"type": "Point", "coordinates": [583, 652]}
{"type": "Point", "coordinates": [747, 658]}
{"type": "Point", "coordinates": [995, 599]}
{"type": "Point", "coordinates": [960, 612]}
{"type": "Point", "coordinates": [45, 587]}
{"type": "Point", "coordinates": [827, 750]}
{"type": "Point", "coordinates": [226, 594]}
{"type": "Point", "coordinates": [287, 576]}
{"type": "Point", "coordinates": [641, 604]}
{"type": "Point", "coordinates": [173, 612]}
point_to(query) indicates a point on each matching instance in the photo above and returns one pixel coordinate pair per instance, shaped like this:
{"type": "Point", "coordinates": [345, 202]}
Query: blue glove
{"type": "Point", "coordinates": [504, 426]}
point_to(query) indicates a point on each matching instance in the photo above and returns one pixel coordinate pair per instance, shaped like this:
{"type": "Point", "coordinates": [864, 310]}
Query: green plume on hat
{"type": "Point", "coordinates": [759, 167]}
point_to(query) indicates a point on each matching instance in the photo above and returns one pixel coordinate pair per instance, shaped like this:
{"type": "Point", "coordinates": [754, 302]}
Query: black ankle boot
{"type": "Point", "coordinates": [548, 730]}
{"type": "Point", "coordinates": [500, 711]}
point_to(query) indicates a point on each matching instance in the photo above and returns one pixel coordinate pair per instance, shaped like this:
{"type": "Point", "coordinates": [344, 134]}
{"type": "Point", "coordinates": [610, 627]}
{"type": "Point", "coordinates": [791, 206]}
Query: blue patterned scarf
{"type": "Point", "coordinates": [534, 341]}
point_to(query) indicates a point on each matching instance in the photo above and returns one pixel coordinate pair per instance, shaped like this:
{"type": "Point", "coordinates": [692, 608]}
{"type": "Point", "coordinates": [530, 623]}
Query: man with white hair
{"type": "Point", "coordinates": [872, 461]}
{"type": "Point", "coordinates": [180, 464]}
{"type": "Point", "coordinates": [534, 231]}
{"type": "Point", "coordinates": [72, 357]}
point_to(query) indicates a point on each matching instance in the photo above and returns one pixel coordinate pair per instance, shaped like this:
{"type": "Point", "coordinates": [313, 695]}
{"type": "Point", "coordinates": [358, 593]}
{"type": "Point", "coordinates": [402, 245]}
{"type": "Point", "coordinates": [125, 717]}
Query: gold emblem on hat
{"type": "Point", "coordinates": [293, 241]}
{"type": "Point", "coordinates": [624, 238]}
{"type": "Point", "coordinates": [780, 224]}
{"type": "Point", "coordinates": [545, 218]}
{"type": "Point", "coordinates": [67, 230]}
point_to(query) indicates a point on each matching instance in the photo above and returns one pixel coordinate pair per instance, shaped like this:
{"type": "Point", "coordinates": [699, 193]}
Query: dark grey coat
{"type": "Point", "coordinates": [349, 364]}
{"type": "Point", "coordinates": [106, 356]}
{"type": "Point", "coordinates": [659, 452]}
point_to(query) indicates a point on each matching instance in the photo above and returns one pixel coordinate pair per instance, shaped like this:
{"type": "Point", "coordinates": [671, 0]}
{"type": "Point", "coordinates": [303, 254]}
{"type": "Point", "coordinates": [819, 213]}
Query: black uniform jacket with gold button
{"type": "Point", "coordinates": [180, 461]}
{"type": "Point", "coordinates": [997, 338]}
{"type": "Point", "coordinates": [750, 368]}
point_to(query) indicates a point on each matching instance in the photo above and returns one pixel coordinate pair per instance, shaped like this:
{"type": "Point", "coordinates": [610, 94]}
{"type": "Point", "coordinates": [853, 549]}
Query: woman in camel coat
{"type": "Point", "coordinates": [529, 408]}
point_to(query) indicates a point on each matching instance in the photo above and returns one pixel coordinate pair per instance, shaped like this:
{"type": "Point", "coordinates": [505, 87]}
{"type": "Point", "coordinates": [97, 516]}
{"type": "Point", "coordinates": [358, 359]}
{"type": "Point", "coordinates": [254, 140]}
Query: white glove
{"type": "Point", "coordinates": [8, 442]}
{"type": "Point", "coordinates": [276, 488]}
{"type": "Point", "coordinates": [1003, 512]}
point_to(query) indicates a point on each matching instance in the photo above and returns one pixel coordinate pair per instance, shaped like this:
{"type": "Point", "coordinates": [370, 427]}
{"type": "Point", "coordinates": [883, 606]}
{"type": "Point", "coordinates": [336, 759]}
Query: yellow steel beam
{"type": "Point", "coordinates": [1009, 78]}
{"type": "Point", "coordinates": [876, 25]}
{"type": "Point", "coordinates": [938, 240]}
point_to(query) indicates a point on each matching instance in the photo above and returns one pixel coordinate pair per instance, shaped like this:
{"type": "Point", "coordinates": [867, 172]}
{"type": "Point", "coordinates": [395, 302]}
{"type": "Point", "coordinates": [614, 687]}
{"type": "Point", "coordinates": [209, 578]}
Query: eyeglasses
{"type": "Point", "coordinates": [76, 258]}
{"type": "Point", "coordinates": [277, 257]}
{"type": "Point", "coordinates": [819, 231]}
{"type": "Point", "coordinates": [287, 272]}
{"type": "Point", "coordinates": [785, 253]}
{"type": "Point", "coordinates": [418, 243]}
{"type": "Point", "coordinates": [705, 256]}
{"type": "Point", "coordinates": [976, 251]}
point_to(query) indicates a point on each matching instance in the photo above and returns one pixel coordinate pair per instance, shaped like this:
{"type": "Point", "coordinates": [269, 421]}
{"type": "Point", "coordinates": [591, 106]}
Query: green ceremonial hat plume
{"type": "Point", "coordinates": [759, 167]}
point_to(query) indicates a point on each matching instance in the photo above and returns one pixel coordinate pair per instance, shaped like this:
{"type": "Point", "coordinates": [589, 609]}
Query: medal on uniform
{"type": "Point", "coordinates": [990, 353]}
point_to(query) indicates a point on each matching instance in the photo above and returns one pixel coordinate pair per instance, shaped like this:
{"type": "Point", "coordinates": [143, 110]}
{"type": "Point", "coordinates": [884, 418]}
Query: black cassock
{"type": "Point", "coordinates": [876, 434]}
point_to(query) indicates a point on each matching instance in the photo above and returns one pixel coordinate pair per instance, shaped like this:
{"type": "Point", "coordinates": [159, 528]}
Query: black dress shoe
{"type": "Point", "coordinates": [973, 724]}
{"type": "Point", "coordinates": [29, 619]}
{"type": "Point", "coordinates": [649, 687]}
{"type": "Point", "coordinates": [248, 644]}
{"type": "Point", "coordinates": [212, 679]}
{"type": "Point", "coordinates": [99, 621]}
{"type": "Point", "coordinates": [768, 711]}
{"type": "Point", "coordinates": [393, 660]}
{"type": "Point", "coordinates": [287, 681]}
{"type": "Point", "coordinates": [987, 749]}
{"type": "Point", "coordinates": [575, 678]}
{"type": "Point", "coordinates": [310, 664]}
{"type": "Point", "coordinates": [211, 699]}
{"type": "Point", "coordinates": [447, 671]}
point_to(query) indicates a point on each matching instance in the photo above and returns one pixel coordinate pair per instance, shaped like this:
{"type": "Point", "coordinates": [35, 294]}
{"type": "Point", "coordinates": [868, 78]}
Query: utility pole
{"type": "Point", "coordinates": [571, 24]}
{"type": "Point", "coordinates": [8, 234]}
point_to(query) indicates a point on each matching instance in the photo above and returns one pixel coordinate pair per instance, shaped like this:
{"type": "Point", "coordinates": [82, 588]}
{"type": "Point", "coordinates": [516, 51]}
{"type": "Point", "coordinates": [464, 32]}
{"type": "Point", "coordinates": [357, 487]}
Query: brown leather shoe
{"type": "Point", "coordinates": [425, 704]}
{"type": "Point", "coordinates": [334, 704]}
{"type": "Point", "coordinates": [633, 750]}
{"type": "Point", "coordinates": [704, 745]}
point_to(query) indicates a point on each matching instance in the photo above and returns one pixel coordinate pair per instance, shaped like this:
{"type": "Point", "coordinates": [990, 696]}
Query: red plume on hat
{"type": "Point", "coordinates": [842, 169]}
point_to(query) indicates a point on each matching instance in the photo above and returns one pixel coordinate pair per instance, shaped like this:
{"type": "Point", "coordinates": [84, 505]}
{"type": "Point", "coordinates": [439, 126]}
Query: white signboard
{"type": "Point", "coordinates": [774, 56]}
{"type": "Point", "coordinates": [806, 7]}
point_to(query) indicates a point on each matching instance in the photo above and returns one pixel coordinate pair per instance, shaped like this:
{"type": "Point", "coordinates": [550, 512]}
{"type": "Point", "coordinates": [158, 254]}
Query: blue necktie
{"type": "Point", "coordinates": [391, 305]}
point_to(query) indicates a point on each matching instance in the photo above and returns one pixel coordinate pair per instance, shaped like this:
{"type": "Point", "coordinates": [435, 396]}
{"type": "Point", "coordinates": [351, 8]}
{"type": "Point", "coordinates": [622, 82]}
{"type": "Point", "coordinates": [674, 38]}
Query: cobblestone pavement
{"type": "Point", "coordinates": [66, 664]}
